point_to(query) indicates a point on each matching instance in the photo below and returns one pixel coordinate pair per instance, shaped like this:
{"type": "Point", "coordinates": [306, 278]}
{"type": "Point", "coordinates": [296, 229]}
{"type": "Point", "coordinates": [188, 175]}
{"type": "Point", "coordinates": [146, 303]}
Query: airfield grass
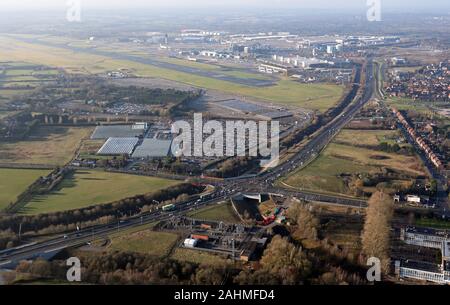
{"type": "Point", "coordinates": [45, 145]}
{"type": "Point", "coordinates": [14, 181]}
{"type": "Point", "coordinates": [286, 92]}
{"type": "Point", "coordinates": [88, 188]}
{"type": "Point", "coordinates": [188, 63]}
{"type": "Point", "coordinates": [323, 174]}
{"type": "Point", "coordinates": [223, 212]}
{"type": "Point", "coordinates": [245, 74]}
{"type": "Point", "coordinates": [7, 94]}
{"type": "Point", "coordinates": [18, 72]}
{"type": "Point", "coordinates": [147, 242]}
{"type": "Point", "coordinates": [22, 78]}
{"type": "Point", "coordinates": [216, 68]}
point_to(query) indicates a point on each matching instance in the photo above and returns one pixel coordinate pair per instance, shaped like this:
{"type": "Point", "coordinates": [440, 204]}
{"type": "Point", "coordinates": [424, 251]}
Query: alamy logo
{"type": "Point", "coordinates": [74, 272]}
{"type": "Point", "coordinates": [374, 10]}
{"type": "Point", "coordinates": [374, 272]}
{"type": "Point", "coordinates": [73, 11]}
{"type": "Point", "coordinates": [239, 138]}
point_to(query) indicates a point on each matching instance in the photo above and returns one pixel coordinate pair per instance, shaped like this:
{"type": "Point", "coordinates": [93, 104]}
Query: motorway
{"type": "Point", "coordinates": [223, 191]}
{"type": "Point", "coordinates": [313, 148]}
{"type": "Point", "coordinates": [87, 235]}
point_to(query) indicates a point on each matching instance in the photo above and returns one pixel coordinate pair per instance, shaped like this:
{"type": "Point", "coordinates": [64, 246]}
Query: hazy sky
{"type": "Point", "coordinates": [233, 4]}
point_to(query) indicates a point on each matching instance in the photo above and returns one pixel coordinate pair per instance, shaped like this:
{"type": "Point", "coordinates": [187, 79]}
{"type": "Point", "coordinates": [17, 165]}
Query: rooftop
{"type": "Point", "coordinates": [446, 249]}
{"type": "Point", "coordinates": [118, 146]}
{"type": "Point", "coordinates": [116, 131]}
{"type": "Point", "coordinates": [153, 148]}
{"type": "Point", "coordinates": [427, 231]}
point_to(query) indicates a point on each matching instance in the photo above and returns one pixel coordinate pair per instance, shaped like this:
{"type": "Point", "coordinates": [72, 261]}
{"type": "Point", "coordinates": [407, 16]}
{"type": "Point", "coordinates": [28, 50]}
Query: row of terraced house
{"type": "Point", "coordinates": [419, 140]}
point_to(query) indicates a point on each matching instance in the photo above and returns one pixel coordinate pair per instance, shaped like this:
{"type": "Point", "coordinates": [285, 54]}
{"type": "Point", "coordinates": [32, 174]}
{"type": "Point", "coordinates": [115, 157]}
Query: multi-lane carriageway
{"type": "Point", "coordinates": [223, 191]}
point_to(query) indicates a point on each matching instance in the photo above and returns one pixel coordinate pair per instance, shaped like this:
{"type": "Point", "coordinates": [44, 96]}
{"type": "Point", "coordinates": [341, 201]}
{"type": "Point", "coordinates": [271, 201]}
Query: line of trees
{"type": "Point", "coordinates": [233, 167]}
{"type": "Point", "coordinates": [304, 222]}
{"type": "Point", "coordinates": [126, 268]}
{"type": "Point", "coordinates": [283, 263]}
{"type": "Point", "coordinates": [43, 185]}
{"type": "Point", "coordinates": [94, 215]}
{"type": "Point", "coordinates": [376, 232]}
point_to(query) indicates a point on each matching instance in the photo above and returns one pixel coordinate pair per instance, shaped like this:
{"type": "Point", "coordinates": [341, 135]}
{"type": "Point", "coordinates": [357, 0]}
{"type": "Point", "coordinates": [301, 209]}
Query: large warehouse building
{"type": "Point", "coordinates": [153, 148]}
{"type": "Point", "coordinates": [118, 147]}
{"type": "Point", "coordinates": [118, 131]}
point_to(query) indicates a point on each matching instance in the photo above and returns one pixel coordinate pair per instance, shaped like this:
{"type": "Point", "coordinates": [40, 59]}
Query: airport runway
{"type": "Point", "coordinates": [252, 82]}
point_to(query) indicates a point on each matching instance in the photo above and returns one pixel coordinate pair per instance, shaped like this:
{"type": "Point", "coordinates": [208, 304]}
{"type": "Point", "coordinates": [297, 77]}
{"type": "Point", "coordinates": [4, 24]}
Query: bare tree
{"type": "Point", "coordinates": [376, 232]}
{"type": "Point", "coordinates": [306, 223]}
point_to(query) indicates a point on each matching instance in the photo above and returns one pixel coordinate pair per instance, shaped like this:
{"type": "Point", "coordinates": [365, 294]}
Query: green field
{"type": "Point", "coordinates": [18, 72]}
{"type": "Point", "coordinates": [325, 174]}
{"type": "Point", "coordinates": [408, 104]}
{"type": "Point", "coordinates": [222, 212]}
{"type": "Point", "coordinates": [406, 69]}
{"type": "Point", "coordinates": [211, 67]}
{"type": "Point", "coordinates": [17, 76]}
{"type": "Point", "coordinates": [14, 181]}
{"type": "Point", "coordinates": [146, 242]}
{"type": "Point", "coordinates": [432, 223]}
{"type": "Point", "coordinates": [7, 94]}
{"type": "Point", "coordinates": [312, 96]}
{"type": "Point", "coordinates": [87, 188]}
{"type": "Point", "coordinates": [188, 63]}
{"type": "Point", "coordinates": [366, 137]}
{"type": "Point", "coordinates": [4, 114]}
{"type": "Point", "coordinates": [422, 107]}
{"type": "Point", "coordinates": [45, 145]}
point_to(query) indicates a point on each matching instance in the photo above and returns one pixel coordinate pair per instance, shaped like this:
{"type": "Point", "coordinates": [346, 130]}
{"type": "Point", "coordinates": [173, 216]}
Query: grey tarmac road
{"type": "Point", "coordinates": [228, 189]}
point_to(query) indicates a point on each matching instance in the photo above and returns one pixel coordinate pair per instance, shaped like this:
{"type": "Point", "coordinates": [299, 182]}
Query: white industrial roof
{"type": "Point", "coordinates": [118, 146]}
{"type": "Point", "coordinates": [153, 148]}
{"type": "Point", "coordinates": [117, 131]}
{"type": "Point", "coordinates": [190, 242]}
